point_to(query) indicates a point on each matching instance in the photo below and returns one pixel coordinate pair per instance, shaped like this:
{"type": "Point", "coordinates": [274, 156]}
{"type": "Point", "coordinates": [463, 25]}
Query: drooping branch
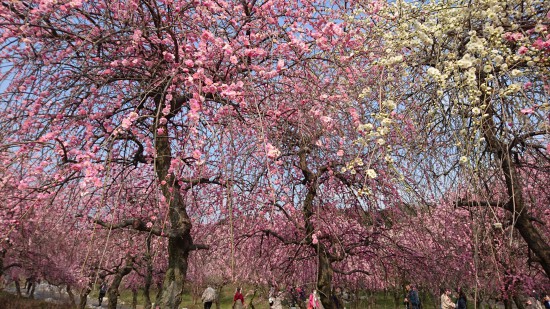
{"type": "Point", "coordinates": [351, 272]}
{"type": "Point", "coordinates": [523, 137]}
{"type": "Point", "coordinates": [135, 224]}
{"type": "Point", "coordinates": [65, 158]}
{"type": "Point", "coordinates": [473, 203]}
{"type": "Point", "coordinates": [202, 180]}
{"type": "Point", "coordinates": [281, 238]}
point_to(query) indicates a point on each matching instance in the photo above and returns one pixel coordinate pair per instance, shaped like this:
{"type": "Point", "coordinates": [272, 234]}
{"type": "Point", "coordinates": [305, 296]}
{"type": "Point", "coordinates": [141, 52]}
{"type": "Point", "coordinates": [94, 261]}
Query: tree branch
{"type": "Point", "coordinates": [352, 272]}
{"type": "Point", "coordinates": [135, 224]}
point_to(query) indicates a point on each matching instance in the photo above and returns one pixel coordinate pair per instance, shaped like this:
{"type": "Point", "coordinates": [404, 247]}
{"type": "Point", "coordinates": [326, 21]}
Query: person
{"type": "Point", "coordinates": [102, 292]}
{"type": "Point", "coordinates": [461, 302]}
{"type": "Point", "coordinates": [29, 283]}
{"type": "Point", "coordinates": [546, 301]}
{"type": "Point", "coordinates": [412, 301]}
{"type": "Point", "coordinates": [208, 297]}
{"type": "Point", "coordinates": [314, 301]}
{"type": "Point", "coordinates": [446, 302]}
{"type": "Point", "coordinates": [336, 299]}
{"type": "Point", "coordinates": [238, 299]}
{"type": "Point", "coordinates": [277, 302]}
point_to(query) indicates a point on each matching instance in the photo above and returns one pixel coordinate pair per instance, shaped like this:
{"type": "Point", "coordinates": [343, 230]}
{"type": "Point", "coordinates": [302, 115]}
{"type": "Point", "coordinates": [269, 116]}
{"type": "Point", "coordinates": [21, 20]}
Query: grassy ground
{"type": "Point", "coordinates": [226, 299]}
{"type": "Point", "coordinates": [8, 300]}
{"type": "Point", "coordinates": [371, 300]}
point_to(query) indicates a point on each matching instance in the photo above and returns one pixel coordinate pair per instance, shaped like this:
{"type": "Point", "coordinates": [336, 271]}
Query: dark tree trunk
{"type": "Point", "coordinates": [520, 303]}
{"type": "Point", "coordinates": [324, 278]}
{"type": "Point", "coordinates": [112, 292]}
{"type": "Point", "coordinates": [134, 298]}
{"type": "Point", "coordinates": [18, 288]}
{"type": "Point", "coordinates": [31, 293]}
{"type": "Point", "coordinates": [219, 292]}
{"type": "Point", "coordinates": [148, 275]}
{"type": "Point", "coordinates": [179, 240]}
{"type": "Point", "coordinates": [507, 304]}
{"type": "Point", "coordinates": [71, 296]}
{"type": "Point", "coordinates": [516, 203]}
{"type": "Point", "coordinates": [159, 293]}
{"type": "Point", "coordinates": [324, 265]}
{"type": "Point", "coordinates": [84, 296]}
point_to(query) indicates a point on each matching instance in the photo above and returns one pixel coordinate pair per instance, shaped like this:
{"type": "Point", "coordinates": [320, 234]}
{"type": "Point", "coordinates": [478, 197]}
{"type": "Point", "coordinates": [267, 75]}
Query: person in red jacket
{"type": "Point", "coordinates": [238, 299]}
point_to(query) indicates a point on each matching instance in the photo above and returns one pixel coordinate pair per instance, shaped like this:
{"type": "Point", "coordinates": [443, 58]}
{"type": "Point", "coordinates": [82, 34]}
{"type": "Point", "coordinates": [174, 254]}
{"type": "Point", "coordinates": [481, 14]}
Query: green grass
{"type": "Point", "coordinates": [377, 300]}
{"type": "Point", "coordinates": [226, 298]}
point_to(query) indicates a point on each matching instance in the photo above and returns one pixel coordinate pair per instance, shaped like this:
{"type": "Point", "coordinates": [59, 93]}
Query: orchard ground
{"type": "Point", "coordinates": [48, 297]}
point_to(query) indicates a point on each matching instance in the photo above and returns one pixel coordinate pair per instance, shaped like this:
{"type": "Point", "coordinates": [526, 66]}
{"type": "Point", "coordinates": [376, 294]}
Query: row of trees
{"type": "Point", "coordinates": [351, 143]}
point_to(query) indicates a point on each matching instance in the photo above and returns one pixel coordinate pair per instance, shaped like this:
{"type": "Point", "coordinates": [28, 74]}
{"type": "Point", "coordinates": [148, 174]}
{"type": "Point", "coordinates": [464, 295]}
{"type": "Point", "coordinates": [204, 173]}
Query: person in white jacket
{"type": "Point", "coordinates": [446, 302]}
{"type": "Point", "coordinates": [208, 297]}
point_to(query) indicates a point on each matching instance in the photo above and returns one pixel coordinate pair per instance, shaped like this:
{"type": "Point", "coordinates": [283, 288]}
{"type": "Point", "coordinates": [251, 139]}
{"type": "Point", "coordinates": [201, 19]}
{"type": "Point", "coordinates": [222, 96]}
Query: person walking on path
{"type": "Point", "coordinates": [315, 301]}
{"type": "Point", "coordinates": [238, 299]}
{"type": "Point", "coordinates": [461, 302]}
{"type": "Point", "coordinates": [208, 297]}
{"type": "Point", "coordinates": [412, 301]}
{"type": "Point", "coordinates": [546, 301]}
{"type": "Point", "coordinates": [446, 302]}
{"type": "Point", "coordinates": [102, 292]}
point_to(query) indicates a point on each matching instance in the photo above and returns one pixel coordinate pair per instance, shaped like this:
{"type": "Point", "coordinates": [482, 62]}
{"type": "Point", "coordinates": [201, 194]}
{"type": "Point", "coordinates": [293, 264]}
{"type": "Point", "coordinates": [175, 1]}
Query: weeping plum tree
{"type": "Point", "coordinates": [97, 90]}
{"type": "Point", "coordinates": [470, 79]}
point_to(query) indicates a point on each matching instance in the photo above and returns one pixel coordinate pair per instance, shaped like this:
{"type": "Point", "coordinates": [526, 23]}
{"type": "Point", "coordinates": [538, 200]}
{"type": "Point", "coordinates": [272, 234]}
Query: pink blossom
{"type": "Point", "coordinates": [314, 239]}
{"type": "Point", "coordinates": [228, 49]}
{"type": "Point", "coordinates": [127, 122]}
{"type": "Point", "coordinates": [189, 63]}
{"type": "Point", "coordinates": [540, 44]}
{"type": "Point", "coordinates": [516, 36]}
{"type": "Point", "coordinates": [169, 57]}
{"type": "Point", "coordinates": [272, 151]}
{"type": "Point", "coordinates": [522, 50]}
{"type": "Point", "coordinates": [137, 35]}
{"type": "Point", "coordinates": [340, 152]}
{"type": "Point", "coordinates": [196, 154]}
{"type": "Point", "coordinates": [527, 111]}
{"type": "Point", "coordinates": [195, 105]}
{"type": "Point", "coordinates": [280, 64]}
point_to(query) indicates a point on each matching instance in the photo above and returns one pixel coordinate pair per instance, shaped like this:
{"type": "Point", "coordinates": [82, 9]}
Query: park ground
{"type": "Point", "coordinates": [50, 297]}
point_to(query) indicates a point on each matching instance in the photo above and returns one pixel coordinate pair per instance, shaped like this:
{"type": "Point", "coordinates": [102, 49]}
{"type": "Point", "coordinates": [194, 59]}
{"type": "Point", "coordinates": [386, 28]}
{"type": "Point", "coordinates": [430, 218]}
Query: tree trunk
{"type": "Point", "coordinates": [134, 298]}
{"type": "Point", "coordinates": [179, 240]}
{"type": "Point", "coordinates": [324, 265]}
{"type": "Point", "coordinates": [148, 275]}
{"type": "Point", "coordinates": [516, 204]}
{"type": "Point", "coordinates": [507, 304]}
{"type": "Point", "coordinates": [31, 294]}
{"type": "Point", "coordinates": [159, 293]}
{"type": "Point", "coordinates": [18, 287]}
{"type": "Point", "coordinates": [172, 290]}
{"type": "Point", "coordinates": [218, 292]}
{"type": "Point", "coordinates": [84, 296]}
{"type": "Point", "coordinates": [71, 296]}
{"type": "Point", "coordinates": [520, 303]}
{"type": "Point", "coordinates": [324, 278]}
{"type": "Point", "coordinates": [112, 292]}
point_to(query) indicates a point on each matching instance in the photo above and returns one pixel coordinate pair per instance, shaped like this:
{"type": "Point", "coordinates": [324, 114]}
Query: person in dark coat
{"type": "Point", "coordinates": [461, 302]}
{"type": "Point", "coordinates": [412, 301]}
